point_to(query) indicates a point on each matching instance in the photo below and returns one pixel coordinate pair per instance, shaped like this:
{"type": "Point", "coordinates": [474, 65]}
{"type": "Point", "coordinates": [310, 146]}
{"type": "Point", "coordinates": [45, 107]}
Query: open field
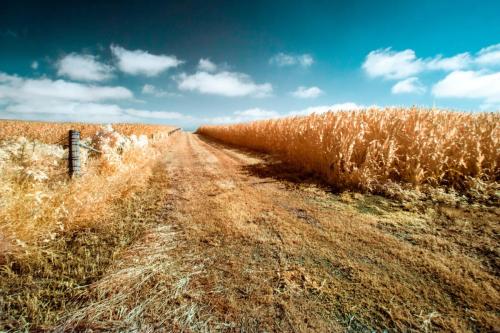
{"type": "Point", "coordinates": [49, 132]}
{"type": "Point", "coordinates": [194, 235]}
{"type": "Point", "coordinates": [374, 149]}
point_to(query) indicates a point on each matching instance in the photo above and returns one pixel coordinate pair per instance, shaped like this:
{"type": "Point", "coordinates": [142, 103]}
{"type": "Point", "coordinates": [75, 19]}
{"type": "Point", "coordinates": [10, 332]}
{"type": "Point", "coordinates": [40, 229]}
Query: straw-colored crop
{"type": "Point", "coordinates": [48, 132]}
{"type": "Point", "coordinates": [370, 149]}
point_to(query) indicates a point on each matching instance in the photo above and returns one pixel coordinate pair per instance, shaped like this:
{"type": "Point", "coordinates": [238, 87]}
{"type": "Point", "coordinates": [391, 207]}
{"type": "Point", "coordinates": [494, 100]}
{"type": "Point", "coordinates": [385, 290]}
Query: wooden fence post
{"type": "Point", "coordinates": [74, 153]}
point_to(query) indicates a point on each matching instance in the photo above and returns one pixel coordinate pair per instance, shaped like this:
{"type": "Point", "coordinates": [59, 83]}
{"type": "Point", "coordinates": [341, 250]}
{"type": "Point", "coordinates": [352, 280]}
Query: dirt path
{"type": "Point", "coordinates": [251, 246]}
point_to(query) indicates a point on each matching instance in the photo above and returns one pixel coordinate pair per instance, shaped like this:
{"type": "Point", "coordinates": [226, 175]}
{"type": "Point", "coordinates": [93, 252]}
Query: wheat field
{"type": "Point", "coordinates": [372, 149]}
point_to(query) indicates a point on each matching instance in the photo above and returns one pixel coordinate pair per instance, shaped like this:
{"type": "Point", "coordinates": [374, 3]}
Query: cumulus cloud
{"type": "Point", "coordinates": [459, 61]}
{"type": "Point", "coordinates": [149, 89]}
{"type": "Point", "coordinates": [489, 56]}
{"type": "Point", "coordinates": [64, 108]}
{"type": "Point", "coordinates": [34, 65]}
{"type": "Point", "coordinates": [224, 83]}
{"type": "Point", "coordinates": [206, 65]}
{"type": "Point", "coordinates": [139, 62]}
{"type": "Point", "coordinates": [395, 65]}
{"type": "Point", "coordinates": [15, 88]}
{"type": "Point", "coordinates": [60, 99]}
{"type": "Point", "coordinates": [83, 111]}
{"type": "Point", "coordinates": [391, 64]}
{"type": "Point", "coordinates": [409, 85]}
{"type": "Point", "coordinates": [305, 92]}
{"type": "Point", "coordinates": [470, 84]}
{"type": "Point", "coordinates": [83, 67]}
{"type": "Point", "coordinates": [284, 59]}
{"type": "Point", "coordinates": [469, 75]}
{"type": "Point", "coordinates": [45, 99]}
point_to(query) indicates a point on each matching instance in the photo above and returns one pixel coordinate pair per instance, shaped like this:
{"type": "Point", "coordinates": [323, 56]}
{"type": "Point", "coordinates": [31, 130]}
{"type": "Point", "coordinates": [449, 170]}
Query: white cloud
{"type": "Point", "coordinates": [257, 113]}
{"type": "Point", "coordinates": [59, 99]}
{"type": "Point", "coordinates": [489, 56]}
{"type": "Point", "coordinates": [15, 88]}
{"type": "Point", "coordinates": [149, 89]}
{"type": "Point", "coordinates": [348, 106]}
{"type": "Point", "coordinates": [392, 65]}
{"type": "Point", "coordinates": [34, 65]}
{"type": "Point", "coordinates": [409, 85]}
{"type": "Point", "coordinates": [283, 59]}
{"type": "Point", "coordinates": [470, 76]}
{"type": "Point", "coordinates": [45, 99]}
{"type": "Point", "coordinates": [65, 108]}
{"type": "Point", "coordinates": [139, 62]}
{"type": "Point", "coordinates": [224, 83]}
{"type": "Point", "coordinates": [459, 61]}
{"type": "Point", "coordinates": [244, 116]}
{"type": "Point", "coordinates": [83, 67]}
{"type": "Point", "coordinates": [304, 92]}
{"type": "Point", "coordinates": [470, 84]}
{"type": "Point", "coordinates": [82, 111]}
{"type": "Point", "coordinates": [206, 65]}
{"type": "Point", "coordinates": [156, 114]}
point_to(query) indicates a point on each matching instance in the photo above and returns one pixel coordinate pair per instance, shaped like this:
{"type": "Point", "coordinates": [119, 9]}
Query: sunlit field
{"type": "Point", "coordinates": [382, 150]}
{"type": "Point", "coordinates": [347, 220]}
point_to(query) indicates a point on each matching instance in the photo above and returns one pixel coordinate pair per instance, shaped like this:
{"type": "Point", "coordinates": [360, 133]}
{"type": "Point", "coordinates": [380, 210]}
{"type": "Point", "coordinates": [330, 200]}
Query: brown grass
{"type": "Point", "coordinates": [58, 233]}
{"type": "Point", "coordinates": [371, 149]}
{"type": "Point", "coordinates": [48, 132]}
{"type": "Point", "coordinates": [254, 253]}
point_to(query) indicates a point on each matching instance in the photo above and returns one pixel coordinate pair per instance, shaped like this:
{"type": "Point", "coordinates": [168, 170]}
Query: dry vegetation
{"type": "Point", "coordinates": [183, 233]}
{"type": "Point", "coordinates": [374, 149]}
{"type": "Point", "coordinates": [251, 246]}
{"type": "Point", "coordinates": [48, 132]}
{"type": "Point", "coordinates": [56, 233]}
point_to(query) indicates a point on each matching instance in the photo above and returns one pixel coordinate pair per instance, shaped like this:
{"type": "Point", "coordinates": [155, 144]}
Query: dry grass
{"type": "Point", "coordinates": [56, 233]}
{"type": "Point", "coordinates": [372, 149]}
{"type": "Point", "coordinates": [38, 199]}
{"type": "Point", "coordinates": [48, 132]}
{"type": "Point", "coordinates": [241, 243]}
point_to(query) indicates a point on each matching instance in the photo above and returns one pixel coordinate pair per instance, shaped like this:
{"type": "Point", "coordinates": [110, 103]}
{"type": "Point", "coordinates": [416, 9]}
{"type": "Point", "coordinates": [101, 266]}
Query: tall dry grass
{"type": "Point", "coordinates": [370, 149]}
{"type": "Point", "coordinates": [38, 200]}
{"type": "Point", "coordinates": [58, 235]}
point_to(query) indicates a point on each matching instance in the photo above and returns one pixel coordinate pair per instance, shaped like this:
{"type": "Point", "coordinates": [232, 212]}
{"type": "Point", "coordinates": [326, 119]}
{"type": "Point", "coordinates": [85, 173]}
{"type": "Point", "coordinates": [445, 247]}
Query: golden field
{"type": "Point", "coordinates": [51, 132]}
{"type": "Point", "coordinates": [372, 149]}
{"type": "Point", "coordinates": [180, 232]}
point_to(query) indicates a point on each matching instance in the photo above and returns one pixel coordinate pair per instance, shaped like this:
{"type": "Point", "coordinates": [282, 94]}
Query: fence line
{"type": "Point", "coordinates": [74, 144]}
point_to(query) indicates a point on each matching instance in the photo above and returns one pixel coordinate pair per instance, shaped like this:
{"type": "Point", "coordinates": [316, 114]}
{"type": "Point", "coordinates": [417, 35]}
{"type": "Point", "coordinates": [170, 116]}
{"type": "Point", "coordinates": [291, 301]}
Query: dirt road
{"type": "Point", "coordinates": [249, 245]}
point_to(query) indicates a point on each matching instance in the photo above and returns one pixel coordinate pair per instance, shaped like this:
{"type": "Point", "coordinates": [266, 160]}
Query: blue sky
{"type": "Point", "coordinates": [192, 62]}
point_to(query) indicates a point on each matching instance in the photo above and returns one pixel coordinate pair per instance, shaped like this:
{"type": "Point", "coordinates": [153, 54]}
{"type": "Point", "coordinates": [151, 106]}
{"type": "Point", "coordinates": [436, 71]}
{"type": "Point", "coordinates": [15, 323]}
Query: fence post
{"type": "Point", "coordinates": [74, 153]}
